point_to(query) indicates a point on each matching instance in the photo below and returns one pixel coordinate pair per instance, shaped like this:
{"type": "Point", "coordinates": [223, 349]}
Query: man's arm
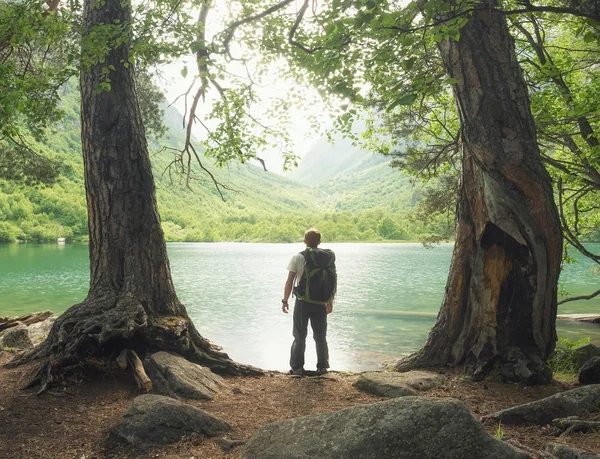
{"type": "Point", "coordinates": [329, 306]}
{"type": "Point", "coordinates": [287, 291]}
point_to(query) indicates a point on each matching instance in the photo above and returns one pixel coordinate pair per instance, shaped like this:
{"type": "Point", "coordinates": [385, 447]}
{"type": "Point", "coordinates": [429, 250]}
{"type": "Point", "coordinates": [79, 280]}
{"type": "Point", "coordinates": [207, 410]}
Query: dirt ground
{"type": "Point", "coordinates": [73, 421]}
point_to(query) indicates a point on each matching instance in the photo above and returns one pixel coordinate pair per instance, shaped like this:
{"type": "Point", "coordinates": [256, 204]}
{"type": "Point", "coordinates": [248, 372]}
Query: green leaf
{"type": "Point", "coordinates": [454, 34]}
{"type": "Point", "coordinates": [407, 40]}
{"type": "Point", "coordinates": [405, 100]}
{"type": "Point", "coordinates": [184, 71]}
{"type": "Point", "coordinates": [409, 63]}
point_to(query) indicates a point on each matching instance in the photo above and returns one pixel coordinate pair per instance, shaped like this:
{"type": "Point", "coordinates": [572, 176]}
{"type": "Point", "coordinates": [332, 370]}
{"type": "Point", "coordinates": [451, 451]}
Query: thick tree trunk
{"type": "Point", "coordinates": [500, 301]}
{"type": "Point", "coordinates": [131, 301]}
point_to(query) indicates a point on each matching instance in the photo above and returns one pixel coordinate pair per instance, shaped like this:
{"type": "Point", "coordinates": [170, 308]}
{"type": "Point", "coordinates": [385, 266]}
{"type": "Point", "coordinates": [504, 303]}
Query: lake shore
{"type": "Point", "coordinates": [73, 419]}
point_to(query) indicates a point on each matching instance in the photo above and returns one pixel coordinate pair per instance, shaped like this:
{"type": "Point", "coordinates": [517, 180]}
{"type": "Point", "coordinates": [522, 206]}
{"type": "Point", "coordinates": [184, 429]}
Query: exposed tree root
{"type": "Point", "coordinates": [512, 365]}
{"type": "Point", "coordinates": [102, 328]}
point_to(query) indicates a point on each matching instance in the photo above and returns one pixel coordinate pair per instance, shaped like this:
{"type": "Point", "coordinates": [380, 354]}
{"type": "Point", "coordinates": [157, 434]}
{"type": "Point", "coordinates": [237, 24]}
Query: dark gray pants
{"type": "Point", "coordinates": [317, 314]}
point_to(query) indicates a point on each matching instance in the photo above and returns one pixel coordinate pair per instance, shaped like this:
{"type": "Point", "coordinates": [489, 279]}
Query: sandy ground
{"type": "Point", "coordinates": [73, 420]}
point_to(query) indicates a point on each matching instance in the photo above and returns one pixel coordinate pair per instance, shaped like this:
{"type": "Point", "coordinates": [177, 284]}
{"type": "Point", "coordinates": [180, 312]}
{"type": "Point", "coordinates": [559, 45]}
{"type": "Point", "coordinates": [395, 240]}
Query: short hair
{"type": "Point", "coordinates": [312, 237]}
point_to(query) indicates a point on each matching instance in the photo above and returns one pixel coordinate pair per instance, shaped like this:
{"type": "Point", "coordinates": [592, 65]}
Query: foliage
{"type": "Point", "coordinates": [564, 359]}
{"type": "Point", "coordinates": [36, 57]}
{"type": "Point", "coordinates": [562, 73]}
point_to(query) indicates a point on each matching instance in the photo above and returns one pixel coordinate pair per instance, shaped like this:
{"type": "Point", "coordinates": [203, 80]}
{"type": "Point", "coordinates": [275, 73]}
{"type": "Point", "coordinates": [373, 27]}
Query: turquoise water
{"type": "Point", "coordinates": [389, 295]}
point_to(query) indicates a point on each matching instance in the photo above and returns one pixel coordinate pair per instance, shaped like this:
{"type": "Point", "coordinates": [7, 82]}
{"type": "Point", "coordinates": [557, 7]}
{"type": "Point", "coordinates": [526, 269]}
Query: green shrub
{"type": "Point", "coordinates": [8, 232]}
{"type": "Point", "coordinates": [564, 359]}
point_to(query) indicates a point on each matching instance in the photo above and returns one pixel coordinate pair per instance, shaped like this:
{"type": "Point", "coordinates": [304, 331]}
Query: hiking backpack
{"type": "Point", "coordinates": [319, 279]}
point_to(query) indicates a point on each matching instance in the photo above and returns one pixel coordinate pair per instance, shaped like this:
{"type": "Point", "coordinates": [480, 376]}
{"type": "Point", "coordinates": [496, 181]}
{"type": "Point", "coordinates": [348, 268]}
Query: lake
{"type": "Point", "coordinates": [388, 295]}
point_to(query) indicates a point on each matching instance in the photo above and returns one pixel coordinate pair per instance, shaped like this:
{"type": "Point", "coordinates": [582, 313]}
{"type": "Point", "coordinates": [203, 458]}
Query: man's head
{"type": "Point", "coordinates": [312, 238]}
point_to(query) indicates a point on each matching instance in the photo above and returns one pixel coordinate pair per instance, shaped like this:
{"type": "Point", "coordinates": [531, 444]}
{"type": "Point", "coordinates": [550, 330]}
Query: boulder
{"type": "Point", "coordinates": [575, 402]}
{"type": "Point", "coordinates": [407, 427]}
{"type": "Point", "coordinates": [393, 384]}
{"type": "Point", "coordinates": [40, 330]}
{"type": "Point", "coordinates": [16, 337]}
{"type": "Point", "coordinates": [590, 371]}
{"type": "Point", "coordinates": [153, 420]}
{"type": "Point", "coordinates": [560, 451]}
{"type": "Point", "coordinates": [176, 377]}
{"type": "Point", "coordinates": [585, 352]}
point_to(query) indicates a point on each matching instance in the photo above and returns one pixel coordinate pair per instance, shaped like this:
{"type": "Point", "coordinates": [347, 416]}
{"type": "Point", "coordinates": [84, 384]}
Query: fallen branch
{"type": "Point", "coordinates": [130, 357]}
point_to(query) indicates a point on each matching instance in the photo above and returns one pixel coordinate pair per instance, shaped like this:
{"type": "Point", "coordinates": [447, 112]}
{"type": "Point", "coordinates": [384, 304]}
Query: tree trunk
{"type": "Point", "coordinates": [500, 301]}
{"type": "Point", "coordinates": [131, 301]}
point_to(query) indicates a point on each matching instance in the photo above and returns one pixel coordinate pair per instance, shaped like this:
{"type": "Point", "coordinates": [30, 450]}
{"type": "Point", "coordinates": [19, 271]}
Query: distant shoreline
{"type": "Point", "coordinates": [245, 242]}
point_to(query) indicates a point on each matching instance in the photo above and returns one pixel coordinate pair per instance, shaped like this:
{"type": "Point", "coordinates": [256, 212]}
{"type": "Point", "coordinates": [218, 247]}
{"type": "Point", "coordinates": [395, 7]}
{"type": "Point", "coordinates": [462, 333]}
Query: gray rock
{"type": "Point", "coordinates": [176, 377]}
{"type": "Point", "coordinates": [16, 337]}
{"type": "Point", "coordinates": [393, 384]}
{"type": "Point", "coordinates": [575, 402]}
{"type": "Point", "coordinates": [154, 420]}
{"type": "Point", "coordinates": [407, 428]}
{"type": "Point", "coordinates": [586, 352]}
{"type": "Point", "coordinates": [560, 451]}
{"type": "Point", "coordinates": [590, 371]}
{"type": "Point", "coordinates": [40, 330]}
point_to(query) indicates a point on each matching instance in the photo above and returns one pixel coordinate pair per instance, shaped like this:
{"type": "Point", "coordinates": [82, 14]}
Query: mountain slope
{"type": "Point", "coordinates": [349, 178]}
{"type": "Point", "coordinates": [194, 213]}
{"type": "Point", "coordinates": [346, 192]}
{"type": "Point", "coordinates": [326, 161]}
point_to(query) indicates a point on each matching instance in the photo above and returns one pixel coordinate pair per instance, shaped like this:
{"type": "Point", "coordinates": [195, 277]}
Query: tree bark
{"type": "Point", "coordinates": [131, 301]}
{"type": "Point", "coordinates": [500, 302]}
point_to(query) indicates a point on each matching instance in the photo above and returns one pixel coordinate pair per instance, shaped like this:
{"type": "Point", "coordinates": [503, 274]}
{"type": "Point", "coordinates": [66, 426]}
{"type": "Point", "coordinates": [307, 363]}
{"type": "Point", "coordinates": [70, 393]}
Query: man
{"type": "Point", "coordinates": [314, 290]}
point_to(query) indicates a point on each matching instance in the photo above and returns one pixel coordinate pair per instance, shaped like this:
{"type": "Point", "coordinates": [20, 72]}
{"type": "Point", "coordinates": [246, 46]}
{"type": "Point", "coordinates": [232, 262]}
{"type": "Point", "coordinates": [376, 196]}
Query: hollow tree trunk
{"type": "Point", "coordinates": [131, 301]}
{"type": "Point", "coordinates": [500, 300]}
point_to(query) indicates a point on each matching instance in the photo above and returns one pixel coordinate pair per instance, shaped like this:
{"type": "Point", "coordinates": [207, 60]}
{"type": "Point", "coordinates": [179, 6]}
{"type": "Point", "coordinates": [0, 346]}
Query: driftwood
{"type": "Point", "coordinates": [129, 357]}
{"type": "Point", "coordinates": [27, 319]}
{"type": "Point", "coordinates": [588, 318]}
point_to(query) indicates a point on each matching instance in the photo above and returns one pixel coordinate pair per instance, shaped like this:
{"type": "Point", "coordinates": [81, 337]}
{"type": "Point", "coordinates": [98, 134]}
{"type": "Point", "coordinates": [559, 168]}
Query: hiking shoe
{"type": "Point", "coordinates": [297, 373]}
{"type": "Point", "coordinates": [321, 371]}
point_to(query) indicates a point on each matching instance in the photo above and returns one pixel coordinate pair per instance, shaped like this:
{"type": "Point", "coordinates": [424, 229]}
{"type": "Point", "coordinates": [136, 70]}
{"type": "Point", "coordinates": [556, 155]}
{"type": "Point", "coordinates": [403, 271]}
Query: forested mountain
{"type": "Point", "coordinates": [347, 177]}
{"type": "Point", "coordinates": [329, 160]}
{"type": "Point", "coordinates": [347, 192]}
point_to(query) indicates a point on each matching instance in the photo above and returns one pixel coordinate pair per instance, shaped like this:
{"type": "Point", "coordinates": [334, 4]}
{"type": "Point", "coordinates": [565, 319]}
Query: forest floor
{"type": "Point", "coordinates": [73, 421]}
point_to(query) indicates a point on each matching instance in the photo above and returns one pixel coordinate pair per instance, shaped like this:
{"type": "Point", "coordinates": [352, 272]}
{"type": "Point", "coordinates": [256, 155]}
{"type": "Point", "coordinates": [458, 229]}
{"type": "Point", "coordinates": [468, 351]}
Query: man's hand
{"type": "Point", "coordinates": [329, 307]}
{"type": "Point", "coordinates": [287, 291]}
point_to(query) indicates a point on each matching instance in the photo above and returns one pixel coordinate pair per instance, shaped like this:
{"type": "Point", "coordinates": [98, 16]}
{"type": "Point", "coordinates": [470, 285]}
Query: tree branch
{"type": "Point", "coordinates": [581, 297]}
{"type": "Point", "coordinates": [230, 30]}
{"type": "Point", "coordinates": [550, 9]}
